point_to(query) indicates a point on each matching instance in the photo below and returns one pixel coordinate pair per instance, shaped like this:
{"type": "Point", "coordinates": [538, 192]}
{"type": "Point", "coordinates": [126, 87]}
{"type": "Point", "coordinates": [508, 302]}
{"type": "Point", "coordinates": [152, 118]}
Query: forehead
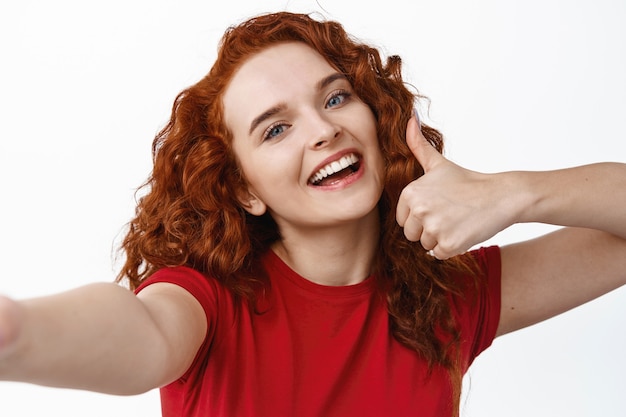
{"type": "Point", "coordinates": [275, 75]}
{"type": "Point", "coordinates": [287, 62]}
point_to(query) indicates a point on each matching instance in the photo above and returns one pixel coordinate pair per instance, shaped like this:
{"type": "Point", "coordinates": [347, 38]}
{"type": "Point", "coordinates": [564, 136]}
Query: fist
{"type": "Point", "coordinates": [448, 209]}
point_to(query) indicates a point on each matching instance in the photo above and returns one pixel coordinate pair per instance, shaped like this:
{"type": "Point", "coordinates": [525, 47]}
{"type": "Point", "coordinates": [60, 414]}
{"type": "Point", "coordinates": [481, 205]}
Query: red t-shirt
{"type": "Point", "coordinates": [318, 350]}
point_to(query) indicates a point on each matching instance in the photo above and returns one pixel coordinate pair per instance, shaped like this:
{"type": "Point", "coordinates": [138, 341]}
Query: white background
{"type": "Point", "coordinates": [84, 87]}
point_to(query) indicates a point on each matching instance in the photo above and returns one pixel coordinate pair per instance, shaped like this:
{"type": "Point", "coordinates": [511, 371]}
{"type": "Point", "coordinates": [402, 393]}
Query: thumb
{"type": "Point", "coordinates": [424, 152]}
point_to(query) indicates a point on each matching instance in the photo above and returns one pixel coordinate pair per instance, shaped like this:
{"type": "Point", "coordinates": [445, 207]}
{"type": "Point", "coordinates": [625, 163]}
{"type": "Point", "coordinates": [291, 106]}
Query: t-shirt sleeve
{"type": "Point", "coordinates": [204, 289]}
{"type": "Point", "coordinates": [478, 310]}
{"type": "Point", "coordinates": [198, 285]}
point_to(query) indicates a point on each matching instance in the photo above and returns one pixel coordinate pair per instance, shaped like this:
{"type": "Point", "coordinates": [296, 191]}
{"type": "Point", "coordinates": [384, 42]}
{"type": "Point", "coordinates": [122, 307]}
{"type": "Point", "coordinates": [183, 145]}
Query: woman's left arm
{"type": "Point", "coordinates": [551, 274]}
{"type": "Point", "coordinates": [450, 209]}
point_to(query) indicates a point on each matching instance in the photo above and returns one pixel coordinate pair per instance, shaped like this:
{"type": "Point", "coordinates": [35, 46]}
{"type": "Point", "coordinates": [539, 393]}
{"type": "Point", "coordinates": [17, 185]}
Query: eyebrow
{"type": "Point", "coordinates": [324, 82]}
{"type": "Point", "coordinates": [321, 84]}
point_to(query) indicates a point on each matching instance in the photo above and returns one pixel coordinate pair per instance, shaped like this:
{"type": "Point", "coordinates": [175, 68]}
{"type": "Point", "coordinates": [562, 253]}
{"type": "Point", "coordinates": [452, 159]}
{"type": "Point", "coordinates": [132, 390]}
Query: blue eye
{"type": "Point", "coordinates": [273, 131]}
{"type": "Point", "coordinates": [337, 99]}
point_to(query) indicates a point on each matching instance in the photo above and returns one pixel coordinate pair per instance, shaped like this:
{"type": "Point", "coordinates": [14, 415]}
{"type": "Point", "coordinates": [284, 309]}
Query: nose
{"type": "Point", "coordinates": [323, 130]}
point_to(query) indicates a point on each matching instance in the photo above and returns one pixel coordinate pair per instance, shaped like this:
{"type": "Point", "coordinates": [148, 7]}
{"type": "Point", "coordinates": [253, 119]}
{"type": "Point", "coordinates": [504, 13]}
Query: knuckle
{"type": "Point", "coordinates": [419, 211]}
{"type": "Point", "coordinates": [410, 236]}
{"type": "Point", "coordinates": [446, 248]}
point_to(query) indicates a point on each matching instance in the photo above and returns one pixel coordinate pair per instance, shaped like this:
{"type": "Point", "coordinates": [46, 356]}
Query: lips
{"type": "Point", "coordinates": [336, 169]}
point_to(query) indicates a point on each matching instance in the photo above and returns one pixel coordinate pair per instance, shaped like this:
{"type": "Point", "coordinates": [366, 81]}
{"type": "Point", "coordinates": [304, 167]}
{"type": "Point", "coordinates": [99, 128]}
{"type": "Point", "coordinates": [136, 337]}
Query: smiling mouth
{"type": "Point", "coordinates": [336, 170]}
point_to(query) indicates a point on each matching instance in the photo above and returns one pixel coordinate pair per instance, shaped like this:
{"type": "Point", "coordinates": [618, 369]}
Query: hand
{"type": "Point", "coordinates": [450, 209]}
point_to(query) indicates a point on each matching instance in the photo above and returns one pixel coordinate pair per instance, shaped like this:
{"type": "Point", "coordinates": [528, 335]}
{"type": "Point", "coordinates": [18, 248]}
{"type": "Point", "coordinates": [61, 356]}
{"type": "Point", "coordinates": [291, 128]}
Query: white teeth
{"type": "Point", "coordinates": [334, 167]}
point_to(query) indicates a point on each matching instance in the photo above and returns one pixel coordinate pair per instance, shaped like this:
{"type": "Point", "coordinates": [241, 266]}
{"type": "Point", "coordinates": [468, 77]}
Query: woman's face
{"type": "Point", "coordinates": [306, 143]}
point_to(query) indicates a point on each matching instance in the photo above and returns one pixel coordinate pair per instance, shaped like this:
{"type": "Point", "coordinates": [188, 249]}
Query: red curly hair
{"type": "Point", "coordinates": [190, 214]}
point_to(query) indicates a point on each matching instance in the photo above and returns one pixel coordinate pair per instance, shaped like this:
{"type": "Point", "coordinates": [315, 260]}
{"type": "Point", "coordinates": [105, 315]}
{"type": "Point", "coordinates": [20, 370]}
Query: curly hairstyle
{"type": "Point", "coordinates": [190, 214]}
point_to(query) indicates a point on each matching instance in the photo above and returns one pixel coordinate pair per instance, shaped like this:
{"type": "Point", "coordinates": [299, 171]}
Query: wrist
{"type": "Point", "coordinates": [523, 197]}
{"type": "Point", "coordinates": [10, 324]}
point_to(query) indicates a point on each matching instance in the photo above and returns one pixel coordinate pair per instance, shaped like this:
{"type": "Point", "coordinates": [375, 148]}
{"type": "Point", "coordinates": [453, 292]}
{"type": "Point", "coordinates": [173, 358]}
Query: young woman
{"type": "Point", "coordinates": [302, 248]}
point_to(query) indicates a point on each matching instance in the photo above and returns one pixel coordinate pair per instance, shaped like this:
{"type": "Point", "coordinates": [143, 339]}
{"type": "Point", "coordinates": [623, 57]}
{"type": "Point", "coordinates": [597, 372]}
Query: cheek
{"type": "Point", "coordinates": [370, 128]}
{"type": "Point", "coordinates": [271, 172]}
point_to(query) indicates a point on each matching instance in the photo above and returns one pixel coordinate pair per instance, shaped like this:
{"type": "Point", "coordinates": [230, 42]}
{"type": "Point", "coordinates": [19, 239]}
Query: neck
{"type": "Point", "coordinates": [334, 256]}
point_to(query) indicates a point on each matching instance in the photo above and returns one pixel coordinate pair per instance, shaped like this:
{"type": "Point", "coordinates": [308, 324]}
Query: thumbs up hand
{"type": "Point", "coordinates": [449, 209]}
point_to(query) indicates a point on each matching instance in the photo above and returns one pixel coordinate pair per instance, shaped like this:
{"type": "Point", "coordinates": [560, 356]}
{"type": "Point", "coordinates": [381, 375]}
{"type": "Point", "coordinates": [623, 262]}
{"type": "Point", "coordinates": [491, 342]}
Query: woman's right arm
{"type": "Point", "coordinates": [101, 337]}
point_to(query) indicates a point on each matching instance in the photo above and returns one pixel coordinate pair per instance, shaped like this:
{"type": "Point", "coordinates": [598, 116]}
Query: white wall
{"type": "Point", "coordinates": [84, 86]}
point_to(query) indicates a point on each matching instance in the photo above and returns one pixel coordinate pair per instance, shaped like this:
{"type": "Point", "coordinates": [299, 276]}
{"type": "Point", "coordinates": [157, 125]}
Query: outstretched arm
{"type": "Point", "coordinates": [451, 209]}
{"type": "Point", "coordinates": [101, 337]}
{"type": "Point", "coordinates": [554, 273]}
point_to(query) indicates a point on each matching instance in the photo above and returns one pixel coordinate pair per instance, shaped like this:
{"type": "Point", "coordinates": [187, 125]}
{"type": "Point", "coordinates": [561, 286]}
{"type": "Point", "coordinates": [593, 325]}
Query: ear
{"type": "Point", "coordinates": [251, 203]}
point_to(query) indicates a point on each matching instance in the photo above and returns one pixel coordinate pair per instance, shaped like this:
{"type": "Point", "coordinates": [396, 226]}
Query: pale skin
{"type": "Point", "coordinates": [84, 338]}
{"type": "Point", "coordinates": [329, 234]}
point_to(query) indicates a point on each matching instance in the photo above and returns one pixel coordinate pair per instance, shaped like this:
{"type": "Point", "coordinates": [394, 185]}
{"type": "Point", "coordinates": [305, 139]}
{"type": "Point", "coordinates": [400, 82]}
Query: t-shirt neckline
{"type": "Point", "coordinates": [273, 261]}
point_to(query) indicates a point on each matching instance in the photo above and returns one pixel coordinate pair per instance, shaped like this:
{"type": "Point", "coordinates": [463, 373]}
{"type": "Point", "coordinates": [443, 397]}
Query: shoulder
{"type": "Point", "coordinates": [477, 306]}
{"type": "Point", "coordinates": [488, 259]}
{"type": "Point", "coordinates": [208, 291]}
{"type": "Point", "coordinates": [190, 279]}
{"type": "Point", "coordinates": [479, 276]}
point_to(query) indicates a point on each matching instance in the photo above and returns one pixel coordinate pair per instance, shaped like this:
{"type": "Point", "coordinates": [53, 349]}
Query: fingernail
{"type": "Point", "coordinates": [417, 117]}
